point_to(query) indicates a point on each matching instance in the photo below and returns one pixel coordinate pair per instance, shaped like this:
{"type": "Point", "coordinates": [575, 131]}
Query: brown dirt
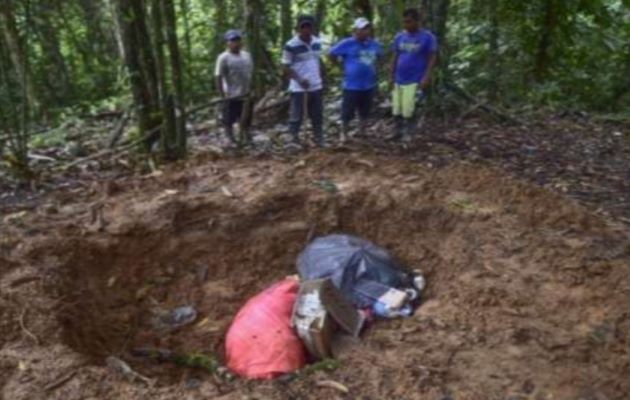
{"type": "Point", "coordinates": [527, 295]}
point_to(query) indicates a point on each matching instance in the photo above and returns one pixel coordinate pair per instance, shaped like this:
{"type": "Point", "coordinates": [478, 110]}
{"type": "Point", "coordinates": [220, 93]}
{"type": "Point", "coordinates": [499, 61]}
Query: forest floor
{"type": "Point", "coordinates": [522, 233]}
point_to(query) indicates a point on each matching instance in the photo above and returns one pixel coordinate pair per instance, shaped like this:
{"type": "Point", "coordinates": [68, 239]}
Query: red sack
{"type": "Point", "coordinates": [261, 344]}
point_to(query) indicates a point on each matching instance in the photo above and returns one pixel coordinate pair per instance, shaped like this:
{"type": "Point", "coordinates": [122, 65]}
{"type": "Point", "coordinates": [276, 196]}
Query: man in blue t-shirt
{"type": "Point", "coordinates": [359, 54]}
{"type": "Point", "coordinates": [415, 54]}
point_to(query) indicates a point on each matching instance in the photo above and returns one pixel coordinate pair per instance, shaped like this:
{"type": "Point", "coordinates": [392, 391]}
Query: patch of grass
{"type": "Point", "coordinates": [197, 360]}
{"type": "Point", "coordinates": [327, 365]}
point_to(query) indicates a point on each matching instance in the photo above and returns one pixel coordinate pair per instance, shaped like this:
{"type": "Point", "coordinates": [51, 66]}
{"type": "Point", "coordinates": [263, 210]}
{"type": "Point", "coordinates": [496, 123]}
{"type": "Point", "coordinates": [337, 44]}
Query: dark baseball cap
{"type": "Point", "coordinates": [305, 20]}
{"type": "Point", "coordinates": [232, 34]}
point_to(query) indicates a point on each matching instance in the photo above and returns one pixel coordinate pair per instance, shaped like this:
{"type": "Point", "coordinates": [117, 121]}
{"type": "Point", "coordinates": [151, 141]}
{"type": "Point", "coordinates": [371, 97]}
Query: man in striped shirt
{"type": "Point", "coordinates": [301, 59]}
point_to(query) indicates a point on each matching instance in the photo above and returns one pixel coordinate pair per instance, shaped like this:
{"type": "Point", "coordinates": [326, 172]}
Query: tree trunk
{"type": "Point", "coordinates": [184, 9]}
{"type": "Point", "coordinates": [168, 132]}
{"type": "Point", "coordinates": [79, 47]}
{"type": "Point", "coordinates": [117, 29]}
{"type": "Point", "coordinates": [493, 53]}
{"type": "Point", "coordinates": [426, 10]}
{"type": "Point", "coordinates": [55, 63]}
{"type": "Point", "coordinates": [168, 10]}
{"type": "Point", "coordinates": [320, 15]}
{"type": "Point", "coordinates": [101, 42]}
{"type": "Point", "coordinates": [549, 23]}
{"type": "Point", "coordinates": [286, 20]}
{"type": "Point", "coordinates": [440, 18]}
{"type": "Point", "coordinates": [128, 21]}
{"type": "Point", "coordinates": [390, 14]}
{"type": "Point", "coordinates": [8, 103]}
{"type": "Point", "coordinates": [364, 9]}
{"type": "Point", "coordinates": [16, 48]}
{"type": "Point", "coordinates": [253, 14]}
{"type": "Point", "coordinates": [143, 43]}
{"type": "Point", "coordinates": [21, 152]}
{"type": "Point", "coordinates": [220, 23]}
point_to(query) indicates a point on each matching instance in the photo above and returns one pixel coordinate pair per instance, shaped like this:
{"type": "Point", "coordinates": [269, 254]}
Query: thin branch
{"type": "Point", "coordinates": [25, 330]}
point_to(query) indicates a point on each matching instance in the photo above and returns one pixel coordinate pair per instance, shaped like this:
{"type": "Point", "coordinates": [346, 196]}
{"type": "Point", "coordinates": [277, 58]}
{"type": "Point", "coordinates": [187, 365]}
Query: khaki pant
{"type": "Point", "coordinates": [404, 100]}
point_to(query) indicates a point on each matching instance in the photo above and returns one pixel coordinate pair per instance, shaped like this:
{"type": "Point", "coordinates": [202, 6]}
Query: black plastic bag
{"type": "Point", "coordinates": [348, 261]}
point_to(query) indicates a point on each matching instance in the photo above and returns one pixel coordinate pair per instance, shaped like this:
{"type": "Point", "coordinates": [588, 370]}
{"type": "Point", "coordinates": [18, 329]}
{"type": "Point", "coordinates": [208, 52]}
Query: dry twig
{"type": "Point", "coordinates": [24, 329]}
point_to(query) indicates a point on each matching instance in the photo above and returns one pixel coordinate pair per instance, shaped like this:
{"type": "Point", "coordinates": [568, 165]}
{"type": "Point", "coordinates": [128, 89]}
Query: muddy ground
{"type": "Point", "coordinates": [527, 296]}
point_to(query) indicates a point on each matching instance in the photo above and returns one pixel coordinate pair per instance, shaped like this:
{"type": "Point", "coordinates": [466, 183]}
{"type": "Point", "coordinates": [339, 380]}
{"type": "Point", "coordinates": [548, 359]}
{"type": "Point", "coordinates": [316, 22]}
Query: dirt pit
{"type": "Point", "coordinates": [527, 293]}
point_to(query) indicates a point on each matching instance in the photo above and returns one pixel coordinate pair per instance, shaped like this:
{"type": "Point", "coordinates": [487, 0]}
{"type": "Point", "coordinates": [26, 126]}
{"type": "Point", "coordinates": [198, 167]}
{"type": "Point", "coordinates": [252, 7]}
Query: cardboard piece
{"type": "Point", "coordinates": [394, 299]}
{"type": "Point", "coordinates": [319, 311]}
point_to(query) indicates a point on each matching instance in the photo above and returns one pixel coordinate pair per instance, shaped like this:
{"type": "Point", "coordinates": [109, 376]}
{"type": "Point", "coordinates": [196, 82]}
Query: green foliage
{"type": "Point", "coordinates": [54, 138]}
{"type": "Point", "coordinates": [327, 365]}
{"type": "Point", "coordinates": [196, 360]}
{"type": "Point", "coordinates": [584, 61]}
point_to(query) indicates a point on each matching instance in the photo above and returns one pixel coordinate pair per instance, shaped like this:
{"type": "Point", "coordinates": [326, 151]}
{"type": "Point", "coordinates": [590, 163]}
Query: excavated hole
{"type": "Point", "coordinates": [113, 286]}
{"type": "Point", "coordinates": [527, 293]}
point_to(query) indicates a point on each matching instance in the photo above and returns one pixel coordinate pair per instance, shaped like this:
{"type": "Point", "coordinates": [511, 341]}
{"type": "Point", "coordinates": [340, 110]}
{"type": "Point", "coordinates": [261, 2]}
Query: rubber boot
{"type": "Point", "coordinates": [229, 132]}
{"type": "Point", "coordinates": [343, 135]}
{"type": "Point", "coordinates": [318, 133]}
{"type": "Point", "coordinates": [245, 139]}
{"type": "Point", "coordinates": [294, 129]}
{"type": "Point", "coordinates": [363, 126]}
{"type": "Point", "coordinates": [408, 130]}
{"type": "Point", "coordinates": [399, 128]}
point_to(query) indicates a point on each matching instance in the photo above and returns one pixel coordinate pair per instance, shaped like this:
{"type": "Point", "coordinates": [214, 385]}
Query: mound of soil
{"type": "Point", "coordinates": [527, 292]}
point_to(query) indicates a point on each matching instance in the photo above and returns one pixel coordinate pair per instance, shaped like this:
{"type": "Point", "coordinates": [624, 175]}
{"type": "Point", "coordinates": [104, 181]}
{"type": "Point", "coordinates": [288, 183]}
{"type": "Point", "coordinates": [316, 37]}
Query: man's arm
{"type": "Point", "coordinates": [289, 73]}
{"type": "Point", "coordinates": [218, 76]}
{"type": "Point", "coordinates": [426, 79]}
{"type": "Point", "coordinates": [219, 84]}
{"type": "Point", "coordinates": [381, 61]}
{"type": "Point", "coordinates": [394, 48]}
{"type": "Point", "coordinates": [322, 72]}
{"type": "Point", "coordinates": [336, 52]}
{"type": "Point", "coordinates": [392, 70]}
{"type": "Point", "coordinates": [334, 60]}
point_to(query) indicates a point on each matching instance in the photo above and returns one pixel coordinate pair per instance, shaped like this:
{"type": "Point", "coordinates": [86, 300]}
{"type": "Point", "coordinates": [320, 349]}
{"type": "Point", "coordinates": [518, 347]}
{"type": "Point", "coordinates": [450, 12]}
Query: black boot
{"type": "Point", "coordinates": [245, 139]}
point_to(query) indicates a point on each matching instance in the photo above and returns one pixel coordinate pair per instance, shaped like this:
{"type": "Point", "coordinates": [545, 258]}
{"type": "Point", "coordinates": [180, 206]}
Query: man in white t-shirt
{"type": "Point", "coordinates": [233, 74]}
{"type": "Point", "coordinates": [302, 64]}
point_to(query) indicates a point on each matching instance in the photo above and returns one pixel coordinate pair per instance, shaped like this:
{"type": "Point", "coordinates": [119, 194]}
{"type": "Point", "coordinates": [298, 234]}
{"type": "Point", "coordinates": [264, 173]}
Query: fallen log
{"type": "Point", "coordinates": [502, 115]}
{"type": "Point", "coordinates": [120, 128]}
{"type": "Point", "coordinates": [109, 152]}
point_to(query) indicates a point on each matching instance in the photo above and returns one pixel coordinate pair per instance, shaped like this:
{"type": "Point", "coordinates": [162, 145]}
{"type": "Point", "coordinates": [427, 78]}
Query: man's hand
{"type": "Point", "coordinates": [392, 70]}
{"type": "Point", "coordinates": [305, 84]}
{"type": "Point", "coordinates": [324, 86]}
{"type": "Point", "coordinates": [425, 82]}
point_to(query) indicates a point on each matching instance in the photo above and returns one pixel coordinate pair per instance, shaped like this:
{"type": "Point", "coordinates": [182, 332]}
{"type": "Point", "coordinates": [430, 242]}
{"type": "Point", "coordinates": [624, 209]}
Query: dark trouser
{"type": "Point", "coordinates": [232, 112]}
{"type": "Point", "coordinates": [356, 100]}
{"type": "Point", "coordinates": [315, 112]}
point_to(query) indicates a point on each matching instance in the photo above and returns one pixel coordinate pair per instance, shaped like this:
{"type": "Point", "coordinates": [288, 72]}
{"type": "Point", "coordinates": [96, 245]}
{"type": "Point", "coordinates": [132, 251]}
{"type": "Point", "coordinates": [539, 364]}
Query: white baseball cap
{"type": "Point", "coordinates": [360, 23]}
